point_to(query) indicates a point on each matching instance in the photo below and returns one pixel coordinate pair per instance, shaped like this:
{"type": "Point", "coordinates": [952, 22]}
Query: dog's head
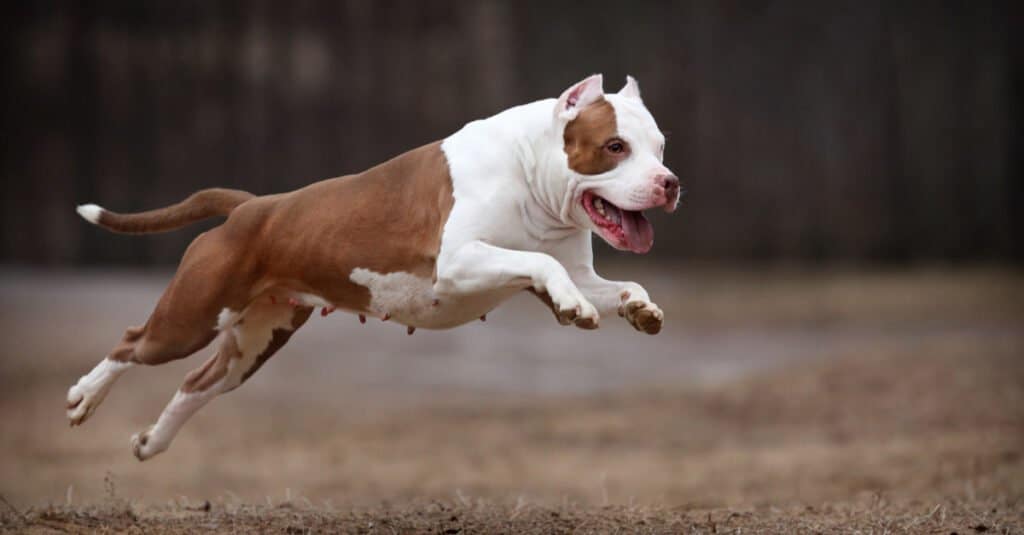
{"type": "Point", "coordinates": [614, 153]}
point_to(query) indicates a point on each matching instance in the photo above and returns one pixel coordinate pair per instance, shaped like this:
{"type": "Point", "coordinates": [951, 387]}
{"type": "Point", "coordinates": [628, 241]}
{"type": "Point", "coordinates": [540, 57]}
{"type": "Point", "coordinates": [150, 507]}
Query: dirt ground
{"type": "Point", "coordinates": [784, 402]}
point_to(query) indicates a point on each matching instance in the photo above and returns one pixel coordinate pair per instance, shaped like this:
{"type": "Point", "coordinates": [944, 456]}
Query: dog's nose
{"type": "Point", "coordinates": [670, 183]}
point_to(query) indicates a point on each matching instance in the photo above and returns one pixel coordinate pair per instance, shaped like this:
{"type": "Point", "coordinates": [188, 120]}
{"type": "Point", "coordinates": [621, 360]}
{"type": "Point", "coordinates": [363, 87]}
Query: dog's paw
{"type": "Point", "coordinates": [643, 316]}
{"type": "Point", "coordinates": [571, 308]}
{"type": "Point", "coordinates": [142, 446]}
{"type": "Point", "coordinates": [89, 391]}
{"type": "Point", "coordinates": [82, 402]}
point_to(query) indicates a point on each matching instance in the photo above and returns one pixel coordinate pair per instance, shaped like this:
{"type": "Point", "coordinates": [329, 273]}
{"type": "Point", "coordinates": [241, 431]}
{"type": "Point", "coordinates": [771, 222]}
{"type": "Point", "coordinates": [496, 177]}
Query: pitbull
{"type": "Point", "coordinates": [433, 238]}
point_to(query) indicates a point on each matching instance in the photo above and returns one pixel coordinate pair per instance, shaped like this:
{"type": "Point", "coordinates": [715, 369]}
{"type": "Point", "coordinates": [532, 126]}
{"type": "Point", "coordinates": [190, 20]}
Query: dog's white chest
{"type": "Point", "coordinates": [410, 300]}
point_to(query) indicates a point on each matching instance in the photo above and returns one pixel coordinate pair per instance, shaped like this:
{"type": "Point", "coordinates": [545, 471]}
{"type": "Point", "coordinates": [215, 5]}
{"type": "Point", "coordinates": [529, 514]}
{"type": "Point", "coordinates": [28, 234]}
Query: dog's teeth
{"type": "Point", "coordinates": [599, 204]}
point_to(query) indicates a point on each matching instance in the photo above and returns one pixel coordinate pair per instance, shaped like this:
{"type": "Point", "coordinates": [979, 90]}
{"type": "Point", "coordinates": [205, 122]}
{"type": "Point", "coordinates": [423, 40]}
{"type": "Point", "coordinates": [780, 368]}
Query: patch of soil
{"type": "Point", "coordinates": [482, 517]}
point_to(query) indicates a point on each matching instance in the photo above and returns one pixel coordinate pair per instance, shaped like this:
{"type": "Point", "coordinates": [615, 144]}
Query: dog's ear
{"type": "Point", "coordinates": [579, 96]}
{"type": "Point", "coordinates": [631, 89]}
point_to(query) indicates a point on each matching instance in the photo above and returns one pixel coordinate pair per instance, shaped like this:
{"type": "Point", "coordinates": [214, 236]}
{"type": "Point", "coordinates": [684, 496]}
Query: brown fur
{"type": "Point", "coordinates": [585, 138]}
{"type": "Point", "coordinates": [200, 205]}
{"type": "Point", "coordinates": [386, 219]}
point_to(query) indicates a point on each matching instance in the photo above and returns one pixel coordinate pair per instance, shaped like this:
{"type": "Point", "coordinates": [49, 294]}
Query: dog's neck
{"type": "Point", "coordinates": [551, 184]}
{"type": "Point", "coordinates": [523, 144]}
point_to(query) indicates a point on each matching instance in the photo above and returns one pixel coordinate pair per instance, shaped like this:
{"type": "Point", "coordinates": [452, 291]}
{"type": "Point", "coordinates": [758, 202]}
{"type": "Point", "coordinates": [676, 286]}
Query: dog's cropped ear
{"type": "Point", "coordinates": [631, 89]}
{"type": "Point", "coordinates": [579, 96]}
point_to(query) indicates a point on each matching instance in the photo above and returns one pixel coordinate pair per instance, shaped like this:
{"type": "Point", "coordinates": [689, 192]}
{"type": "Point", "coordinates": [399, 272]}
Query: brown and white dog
{"type": "Point", "coordinates": [433, 238]}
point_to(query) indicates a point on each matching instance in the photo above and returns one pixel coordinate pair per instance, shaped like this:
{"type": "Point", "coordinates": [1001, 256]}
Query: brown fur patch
{"type": "Point", "coordinates": [386, 219]}
{"type": "Point", "coordinates": [585, 138]}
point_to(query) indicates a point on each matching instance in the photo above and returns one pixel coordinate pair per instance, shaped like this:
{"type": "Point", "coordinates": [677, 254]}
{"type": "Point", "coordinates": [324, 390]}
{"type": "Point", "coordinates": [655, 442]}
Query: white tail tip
{"type": "Point", "coordinates": [90, 212]}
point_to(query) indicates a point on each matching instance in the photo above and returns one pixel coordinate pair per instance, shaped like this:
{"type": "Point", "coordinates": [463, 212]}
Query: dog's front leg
{"type": "Point", "coordinates": [478, 267]}
{"type": "Point", "coordinates": [629, 299]}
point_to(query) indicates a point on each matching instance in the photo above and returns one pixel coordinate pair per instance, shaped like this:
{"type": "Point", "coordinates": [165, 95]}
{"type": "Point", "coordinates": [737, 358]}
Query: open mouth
{"type": "Point", "coordinates": [623, 229]}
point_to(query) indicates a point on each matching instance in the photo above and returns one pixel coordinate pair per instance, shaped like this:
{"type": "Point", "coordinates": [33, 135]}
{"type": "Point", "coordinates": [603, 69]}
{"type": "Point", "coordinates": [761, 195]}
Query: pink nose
{"type": "Point", "coordinates": [670, 183]}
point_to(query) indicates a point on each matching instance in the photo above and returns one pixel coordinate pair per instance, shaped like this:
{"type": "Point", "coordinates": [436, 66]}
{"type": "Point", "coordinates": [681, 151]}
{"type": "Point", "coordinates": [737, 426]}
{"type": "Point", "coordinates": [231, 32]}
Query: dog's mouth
{"type": "Point", "coordinates": [626, 230]}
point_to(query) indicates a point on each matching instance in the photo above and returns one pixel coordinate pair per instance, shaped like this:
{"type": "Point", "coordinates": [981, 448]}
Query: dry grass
{"type": "Point", "coordinates": [452, 517]}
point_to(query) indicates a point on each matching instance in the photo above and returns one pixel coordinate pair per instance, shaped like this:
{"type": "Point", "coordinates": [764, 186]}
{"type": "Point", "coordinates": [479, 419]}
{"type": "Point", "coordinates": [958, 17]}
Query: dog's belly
{"type": "Point", "coordinates": [409, 299]}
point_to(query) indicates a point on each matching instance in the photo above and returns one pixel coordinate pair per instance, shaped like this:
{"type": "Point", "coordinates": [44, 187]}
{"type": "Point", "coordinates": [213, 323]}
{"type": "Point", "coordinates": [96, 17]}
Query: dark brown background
{"type": "Point", "coordinates": [815, 131]}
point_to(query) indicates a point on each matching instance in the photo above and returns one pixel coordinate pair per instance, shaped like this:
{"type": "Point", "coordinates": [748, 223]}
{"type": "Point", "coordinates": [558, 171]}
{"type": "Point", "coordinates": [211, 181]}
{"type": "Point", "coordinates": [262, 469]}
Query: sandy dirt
{"type": "Point", "coordinates": [781, 402]}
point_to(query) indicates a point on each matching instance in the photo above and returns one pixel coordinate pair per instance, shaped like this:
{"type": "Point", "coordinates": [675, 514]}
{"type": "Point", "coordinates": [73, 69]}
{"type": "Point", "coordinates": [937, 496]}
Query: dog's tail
{"type": "Point", "coordinates": [200, 205]}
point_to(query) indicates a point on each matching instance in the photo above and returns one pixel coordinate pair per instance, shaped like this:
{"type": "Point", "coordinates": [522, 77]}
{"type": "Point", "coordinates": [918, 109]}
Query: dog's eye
{"type": "Point", "coordinates": [616, 147]}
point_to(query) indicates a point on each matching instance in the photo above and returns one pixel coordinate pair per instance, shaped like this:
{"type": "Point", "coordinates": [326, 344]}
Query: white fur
{"type": "Point", "coordinates": [518, 222]}
{"type": "Point", "coordinates": [90, 212]}
{"type": "Point", "coordinates": [159, 435]}
{"type": "Point", "coordinates": [410, 300]}
{"type": "Point", "coordinates": [631, 89]}
{"type": "Point", "coordinates": [401, 295]}
{"type": "Point", "coordinates": [254, 334]}
{"type": "Point", "coordinates": [579, 96]}
{"type": "Point", "coordinates": [226, 319]}
{"type": "Point", "coordinates": [91, 388]}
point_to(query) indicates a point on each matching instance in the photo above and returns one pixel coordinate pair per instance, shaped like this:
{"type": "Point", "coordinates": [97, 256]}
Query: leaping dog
{"type": "Point", "coordinates": [433, 238]}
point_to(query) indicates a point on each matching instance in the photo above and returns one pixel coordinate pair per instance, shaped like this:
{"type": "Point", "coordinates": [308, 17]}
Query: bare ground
{"type": "Point", "coordinates": [865, 403]}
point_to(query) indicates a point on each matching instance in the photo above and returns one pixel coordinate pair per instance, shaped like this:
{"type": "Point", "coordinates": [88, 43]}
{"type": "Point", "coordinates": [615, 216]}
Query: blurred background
{"type": "Point", "coordinates": [842, 284]}
{"type": "Point", "coordinates": [812, 131]}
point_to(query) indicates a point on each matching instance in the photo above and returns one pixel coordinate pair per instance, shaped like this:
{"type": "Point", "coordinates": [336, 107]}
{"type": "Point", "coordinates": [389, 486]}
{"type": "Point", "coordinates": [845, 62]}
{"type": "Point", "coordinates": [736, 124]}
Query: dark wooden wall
{"type": "Point", "coordinates": [805, 130]}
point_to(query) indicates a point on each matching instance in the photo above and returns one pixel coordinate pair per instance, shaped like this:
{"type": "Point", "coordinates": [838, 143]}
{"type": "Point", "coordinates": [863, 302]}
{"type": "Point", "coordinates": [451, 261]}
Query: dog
{"type": "Point", "coordinates": [433, 238]}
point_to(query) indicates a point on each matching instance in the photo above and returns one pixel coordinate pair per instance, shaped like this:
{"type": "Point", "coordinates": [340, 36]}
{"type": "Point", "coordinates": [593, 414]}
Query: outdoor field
{"type": "Point", "coordinates": [782, 400]}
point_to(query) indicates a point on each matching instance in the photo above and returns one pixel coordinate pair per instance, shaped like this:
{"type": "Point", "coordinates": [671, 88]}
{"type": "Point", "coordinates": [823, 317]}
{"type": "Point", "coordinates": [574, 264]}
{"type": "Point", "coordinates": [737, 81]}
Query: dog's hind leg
{"type": "Point", "coordinates": [183, 322]}
{"type": "Point", "coordinates": [138, 346]}
{"type": "Point", "coordinates": [85, 395]}
{"type": "Point", "coordinates": [246, 343]}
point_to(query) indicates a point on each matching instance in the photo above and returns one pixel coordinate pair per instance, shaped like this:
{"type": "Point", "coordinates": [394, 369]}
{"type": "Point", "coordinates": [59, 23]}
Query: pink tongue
{"type": "Point", "coordinates": [639, 233]}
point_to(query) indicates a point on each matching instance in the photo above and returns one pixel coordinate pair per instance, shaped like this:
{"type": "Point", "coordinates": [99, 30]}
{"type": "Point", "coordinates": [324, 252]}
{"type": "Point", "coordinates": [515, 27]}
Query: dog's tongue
{"type": "Point", "coordinates": [639, 233]}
